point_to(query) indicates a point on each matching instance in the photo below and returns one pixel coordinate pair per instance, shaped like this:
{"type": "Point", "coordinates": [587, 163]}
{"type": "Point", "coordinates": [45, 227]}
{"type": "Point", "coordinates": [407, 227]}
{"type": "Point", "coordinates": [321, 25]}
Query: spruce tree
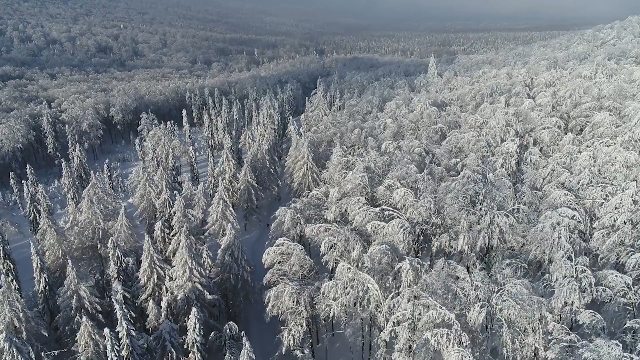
{"type": "Point", "coordinates": [221, 213]}
{"type": "Point", "coordinates": [151, 282]}
{"type": "Point", "coordinates": [130, 346]}
{"type": "Point", "coordinates": [112, 348]}
{"type": "Point", "coordinates": [194, 341]}
{"type": "Point", "coordinates": [16, 190]}
{"type": "Point", "coordinates": [45, 294]}
{"type": "Point", "coordinates": [235, 273]}
{"type": "Point", "coordinates": [51, 243]}
{"type": "Point", "coordinates": [179, 220]}
{"type": "Point", "coordinates": [89, 343]}
{"type": "Point", "coordinates": [247, 349]}
{"type": "Point", "coordinates": [8, 269]}
{"type": "Point", "coordinates": [144, 198]}
{"type": "Point", "coordinates": [166, 341]}
{"type": "Point", "coordinates": [248, 191]}
{"type": "Point", "coordinates": [188, 284]}
{"type": "Point", "coordinates": [69, 184]}
{"type": "Point", "coordinates": [75, 300]}
{"type": "Point", "coordinates": [303, 174]}
{"type": "Point", "coordinates": [227, 170]}
{"type": "Point", "coordinates": [122, 232]}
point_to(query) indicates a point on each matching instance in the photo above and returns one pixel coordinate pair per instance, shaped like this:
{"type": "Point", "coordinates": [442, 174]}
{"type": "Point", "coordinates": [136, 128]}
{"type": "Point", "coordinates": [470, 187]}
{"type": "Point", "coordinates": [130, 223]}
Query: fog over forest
{"type": "Point", "coordinates": [279, 179]}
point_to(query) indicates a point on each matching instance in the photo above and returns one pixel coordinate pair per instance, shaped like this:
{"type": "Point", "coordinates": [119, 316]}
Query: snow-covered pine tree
{"type": "Point", "coordinates": [166, 341]}
{"type": "Point", "coordinates": [212, 181]}
{"type": "Point", "coordinates": [44, 292]}
{"type": "Point", "coordinates": [151, 282]}
{"type": "Point", "coordinates": [49, 134]}
{"type": "Point", "coordinates": [45, 209]}
{"type": "Point", "coordinates": [194, 342]}
{"type": "Point", "coordinates": [198, 211]}
{"type": "Point", "coordinates": [107, 174]}
{"type": "Point", "coordinates": [8, 269]}
{"type": "Point", "coordinates": [221, 213]}
{"type": "Point", "coordinates": [227, 170]}
{"type": "Point", "coordinates": [130, 346]}
{"type": "Point", "coordinates": [32, 212]}
{"type": "Point", "coordinates": [162, 237]}
{"type": "Point", "coordinates": [235, 273]}
{"type": "Point", "coordinates": [79, 166]}
{"type": "Point", "coordinates": [15, 319]}
{"type": "Point", "coordinates": [122, 232]}
{"type": "Point", "coordinates": [144, 198]}
{"type": "Point", "coordinates": [112, 348]}
{"type": "Point", "coordinates": [148, 121]}
{"type": "Point", "coordinates": [191, 151]}
{"type": "Point", "coordinates": [164, 205]}
{"type": "Point", "coordinates": [188, 285]}
{"type": "Point", "coordinates": [178, 221]}
{"type": "Point", "coordinates": [228, 340]}
{"type": "Point", "coordinates": [247, 349]}
{"type": "Point", "coordinates": [248, 190]}
{"type": "Point", "coordinates": [303, 174]}
{"type": "Point", "coordinates": [50, 240]}
{"type": "Point", "coordinates": [121, 271]}
{"type": "Point", "coordinates": [14, 348]}
{"type": "Point", "coordinates": [75, 299]}
{"type": "Point", "coordinates": [16, 190]}
{"type": "Point", "coordinates": [89, 343]}
{"type": "Point", "coordinates": [69, 184]}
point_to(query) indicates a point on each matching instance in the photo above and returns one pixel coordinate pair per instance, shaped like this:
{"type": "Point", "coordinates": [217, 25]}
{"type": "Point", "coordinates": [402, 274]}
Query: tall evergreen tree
{"type": "Point", "coordinates": [69, 184]}
{"type": "Point", "coordinates": [51, 241]}
{"type": "Point", "coordinates": [151, 280]}
{"type": "Point", "coordinates": [303, 174]}
{"type": "Point", "coordinates": [227, 170]}
{"type": "Point", "coordinates": [45, 294]}
{"type": "Point", "coordinates": [144, 198]}
{"type": "Point", "coordinates": [188, 284]}
{"type": "Point", "coordinates": [247, 349]}
{"type": "Point", "coordinates": [235, 273]}
{"type": "Point", "coordinates": [248, 191]}
{"type": "Point", "coordinates": [78, 159]}
{"type": "Point", "coordinates": [166, 341]}
{"type": "Point", "coordinates": [89, 343]}
{"type": "Point", "coordinates": [130, 346]}
{"type": "Point", "coordinates": [112, 348]}
{"type": "Point", "coordinates": [194, 342]}
{"type": "Point", "coordinates": [122, 232]}
{"type": "Point", "coordinates": [75, 300]}
{"type": "Point", "coordinates": [8, 269]}
{"type": "Point", "coordinates": [221, 213]}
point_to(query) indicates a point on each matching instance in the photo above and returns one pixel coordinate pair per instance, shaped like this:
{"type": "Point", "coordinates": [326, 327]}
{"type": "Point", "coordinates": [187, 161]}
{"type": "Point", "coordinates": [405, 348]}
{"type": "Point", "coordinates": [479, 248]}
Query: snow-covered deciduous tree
{"type": "Point", "coordinates": [75, 300]}
{"type": "Point", "coordinates": [89, 342]}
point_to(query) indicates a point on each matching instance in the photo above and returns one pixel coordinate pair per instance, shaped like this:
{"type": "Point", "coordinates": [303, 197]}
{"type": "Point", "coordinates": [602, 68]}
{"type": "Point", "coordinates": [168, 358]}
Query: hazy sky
{"type": "Point", "coordinates": [475, 10]}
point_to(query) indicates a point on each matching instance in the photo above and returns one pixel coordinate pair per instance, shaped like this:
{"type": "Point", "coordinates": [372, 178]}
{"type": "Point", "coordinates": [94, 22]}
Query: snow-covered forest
{"type": "Point", "coordinates": [175, 185]}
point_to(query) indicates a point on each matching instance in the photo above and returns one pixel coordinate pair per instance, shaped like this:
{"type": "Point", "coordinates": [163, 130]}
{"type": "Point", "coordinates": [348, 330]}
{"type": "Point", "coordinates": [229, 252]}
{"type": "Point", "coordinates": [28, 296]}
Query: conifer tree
{"type": "Point", "coordinates": [69, 184]}
{"type": "Point", "coordinates": [32, 212]}
{"type": "Point", "coordinates": [51, 242]}
{"type": "Point", "coordinates": [75, 300]}
{"type": "Point", "coordinates": [227, 170]}
{"type": "Point", "coordinates": [79, 166]}
{"type": "Point", "coordinates": [8, 269]}
{"type": "Point", "coordinates": [162, 237]}
{"type": "Point", "coordinates": [16, 190]}
{"type": "Point", "coordinates": [248, 191]}
{"type": "Point", "coordinates": [45, 294]}
{"type": "Point", "coordinates": [144, 198]}
{"type": "Point", "coordinates": [221, 213]}
{"type": "Point", "coordinates": [89, 343]}
{"type": "Point", "coordinates": [178, 222]}
{"type": "Point", "coordinates": [235, 273]}
{"type": "Point", "coordinates": [15, 318]}
{"type": "Point", "coordinates": [44, 207]}
{"type": "Point", "coordinates": [199, 210]}
{"type": "Point", "coordinates": [130, 346]}
{"type": "Point", "coordinates": [188, 284]}
{"type": "Point", "coordinates": [14, 348]}
{"type": "Point", "coordinates": [122, 232]}
{"type": "Point", "coordinates": [151, 280]}
{"type": "Point", "coordinates": [247, 349]}
{"type": "Point", "coordinates": [111, 345]}
{"type": "Point", "coordinates": [228, 340]}
{"type": "Point", "coordinates": [212, 180]}
{"type": "Point", "coordinates": [303, 174]}
{"type": "Point", "coordinates": [166, 340]}
{"type": "Point", "coordinates": [194, 341]}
